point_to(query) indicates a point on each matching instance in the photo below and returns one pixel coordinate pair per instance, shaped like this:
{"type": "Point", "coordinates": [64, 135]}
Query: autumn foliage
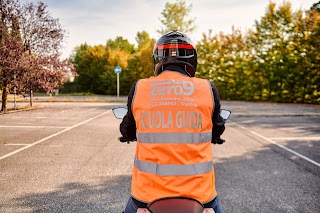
{"type": "Point", "coordinates": [95, 64]}
{"type": "Point", "coordinates": [276, 60]}
{"type": "Point", "coordinates": [29, 53]}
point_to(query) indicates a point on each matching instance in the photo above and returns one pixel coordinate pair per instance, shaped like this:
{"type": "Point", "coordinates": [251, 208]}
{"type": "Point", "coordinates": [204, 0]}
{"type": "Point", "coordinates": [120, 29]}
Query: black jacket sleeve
{"type": "Point", "coordinates": [217, 121]}
{"type": "Point", "coordinates": [128, 124]}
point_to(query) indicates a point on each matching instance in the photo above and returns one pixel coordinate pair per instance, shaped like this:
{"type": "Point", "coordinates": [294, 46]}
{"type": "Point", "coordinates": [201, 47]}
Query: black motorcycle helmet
{"type": "Point", "coordinates": [174, 48]}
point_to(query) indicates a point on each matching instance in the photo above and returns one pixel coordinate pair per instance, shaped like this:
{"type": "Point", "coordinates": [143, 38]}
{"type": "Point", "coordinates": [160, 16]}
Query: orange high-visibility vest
{"type": "Point", "coordinates": [173, 115]}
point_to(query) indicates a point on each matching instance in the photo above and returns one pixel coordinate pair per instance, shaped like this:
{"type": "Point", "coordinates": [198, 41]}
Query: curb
{"type": "Point", "coordinates": [21, 110]}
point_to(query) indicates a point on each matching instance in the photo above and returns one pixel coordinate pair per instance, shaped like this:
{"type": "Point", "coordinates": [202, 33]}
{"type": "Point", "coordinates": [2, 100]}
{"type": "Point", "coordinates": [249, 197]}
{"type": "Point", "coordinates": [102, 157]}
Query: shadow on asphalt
{"type": "Point", "coordinates": [260, 181]}
{"type": "Point", "coordinates": [265, 180]}
{"type": "Point", "coordinates": [109, 196]}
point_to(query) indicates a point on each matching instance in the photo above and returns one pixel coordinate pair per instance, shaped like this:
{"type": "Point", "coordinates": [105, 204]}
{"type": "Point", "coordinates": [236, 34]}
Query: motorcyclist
{"type": "Point", "coordinates": [175, 118]}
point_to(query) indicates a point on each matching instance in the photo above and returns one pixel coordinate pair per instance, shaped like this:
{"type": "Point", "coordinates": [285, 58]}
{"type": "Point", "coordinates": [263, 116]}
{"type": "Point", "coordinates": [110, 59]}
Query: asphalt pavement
{"type": "Point", "coordinates": [65, 157]}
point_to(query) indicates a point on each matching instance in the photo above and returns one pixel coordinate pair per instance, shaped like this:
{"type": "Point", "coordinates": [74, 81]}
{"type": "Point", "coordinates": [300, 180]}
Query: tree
{"type": "Point", "coordinates": [42, 36]}
{"type": "Point", "coordinates": [142, 57]}
{"type": "Point", "coordinates": [121, 44]}
{"type": "Point", "coordinates": [90, 63]}
{"type": "Point", "coordinates": [11, 46]}
{"type": "Point", "coordinates": [223, 60]}
{"type": "Point", "coordinates": [316, 6]}
{"type": "Point", "coordinates": [32, 39]}
{"type": "Point", "coordinates": [311, 52]}
{"type": "Point", "coordinates": [140, 65]}
{"type": "Point", "coordinates": [277, 60]}
{"type": "Point", "coordinates": [95, 65]}
{"type": "Point", "coordinates": [48, 73]}
{"type": "Point", "coordinates": [119, 53]}
{"type": "Point", "coordinates": [175, 16]}
{"type": "Point", "coordinates": [287, 49]}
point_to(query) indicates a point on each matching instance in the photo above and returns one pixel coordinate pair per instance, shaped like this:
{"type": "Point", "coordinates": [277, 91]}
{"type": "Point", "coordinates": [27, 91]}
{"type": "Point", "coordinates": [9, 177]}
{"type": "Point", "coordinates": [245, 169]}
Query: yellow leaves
{"type": "Point", "coordinates": [118, 57]}
{"type": "Point", "coordinates": [97, 51]}
{"type": "Point", "coordinates": [175, 16]}
{"type": "Point", "coordinates": [112, 56]}
{"type": "Point", "coordinates": [247, 72]}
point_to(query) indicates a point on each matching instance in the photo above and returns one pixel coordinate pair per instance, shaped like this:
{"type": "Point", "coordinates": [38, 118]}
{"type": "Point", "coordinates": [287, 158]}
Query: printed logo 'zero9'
{"type": "Point", "coordinates": [180, 88]}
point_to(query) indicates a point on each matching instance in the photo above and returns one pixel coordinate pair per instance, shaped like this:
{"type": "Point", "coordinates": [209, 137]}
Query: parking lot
{"type": "Point", "coordinates": [65, 157]}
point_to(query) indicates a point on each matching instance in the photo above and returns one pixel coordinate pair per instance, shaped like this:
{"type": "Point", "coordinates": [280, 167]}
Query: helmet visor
{"type": "Point", "coordinates": [174, 49]}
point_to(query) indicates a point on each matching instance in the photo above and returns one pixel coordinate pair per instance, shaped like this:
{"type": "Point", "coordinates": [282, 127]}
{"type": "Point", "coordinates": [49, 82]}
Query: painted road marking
{"type": "Point", "coordinates": [53, 135]}
{"type": "Point", "coordinates": [279, 145]}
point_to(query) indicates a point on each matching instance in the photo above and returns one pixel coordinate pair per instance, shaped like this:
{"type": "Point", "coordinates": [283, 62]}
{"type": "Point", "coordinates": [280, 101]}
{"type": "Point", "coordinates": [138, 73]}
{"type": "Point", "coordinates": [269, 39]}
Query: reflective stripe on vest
{"type": "Point", "coordinates": [175, 137]}
{"type": "Point", "coordinates": [173, 169]}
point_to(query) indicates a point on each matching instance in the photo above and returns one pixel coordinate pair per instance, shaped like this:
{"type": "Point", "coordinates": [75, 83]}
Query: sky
{"type": "Point", "coordinates": [95, 21]}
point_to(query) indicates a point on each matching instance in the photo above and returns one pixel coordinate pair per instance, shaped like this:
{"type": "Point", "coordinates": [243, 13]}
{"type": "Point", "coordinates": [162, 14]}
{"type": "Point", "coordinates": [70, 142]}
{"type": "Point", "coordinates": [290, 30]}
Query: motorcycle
{"type": "Point", "coordinates": [170, 204]}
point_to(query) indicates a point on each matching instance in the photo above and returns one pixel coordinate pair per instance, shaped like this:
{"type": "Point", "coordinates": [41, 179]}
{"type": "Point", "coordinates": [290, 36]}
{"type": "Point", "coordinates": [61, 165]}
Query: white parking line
{"type": "Point", "coordinates": [53, 135]}
{"type": "Point", "coordinates": [279, 145]}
